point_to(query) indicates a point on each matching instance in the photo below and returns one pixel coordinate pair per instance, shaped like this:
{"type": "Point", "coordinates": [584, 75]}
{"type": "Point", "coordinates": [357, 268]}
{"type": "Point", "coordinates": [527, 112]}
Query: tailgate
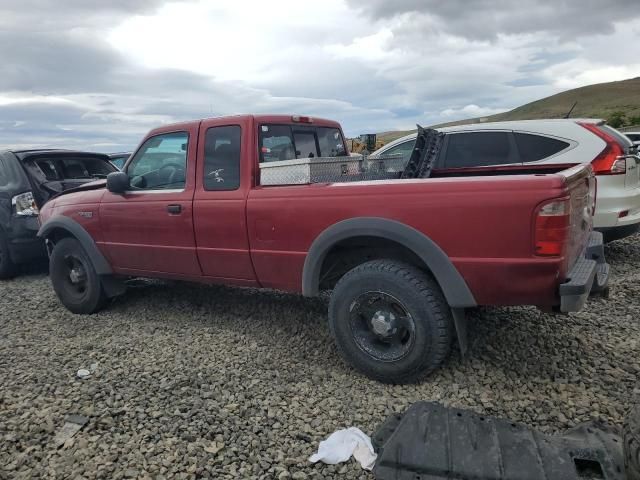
{"type": "Point", "coordinates": [581, 185]}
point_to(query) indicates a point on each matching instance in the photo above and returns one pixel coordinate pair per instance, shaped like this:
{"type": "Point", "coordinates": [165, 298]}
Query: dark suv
{"type": "Point", "coordinates": [28, 178]}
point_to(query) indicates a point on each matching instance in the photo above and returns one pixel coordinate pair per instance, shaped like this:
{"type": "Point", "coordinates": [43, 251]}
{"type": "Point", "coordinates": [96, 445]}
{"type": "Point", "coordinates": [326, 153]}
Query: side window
{"type": "Point", "coordinates": [404, 149]}
{"type": "Point", "coordinates": [276, 143]}
{"type": "Point", "coordinates": [536, 147]}
{"type": "Point", "coordinates": [222, 158]}
{"type": "Point", "coordinates": [477, 149]}
{"type": "Point", "coordinates": [161, 163]}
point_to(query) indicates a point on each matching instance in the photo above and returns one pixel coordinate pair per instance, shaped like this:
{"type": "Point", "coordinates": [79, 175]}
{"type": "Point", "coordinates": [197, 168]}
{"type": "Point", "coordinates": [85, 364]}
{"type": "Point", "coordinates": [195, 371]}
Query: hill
{"type": "Point", "coordinates": [613, 101]}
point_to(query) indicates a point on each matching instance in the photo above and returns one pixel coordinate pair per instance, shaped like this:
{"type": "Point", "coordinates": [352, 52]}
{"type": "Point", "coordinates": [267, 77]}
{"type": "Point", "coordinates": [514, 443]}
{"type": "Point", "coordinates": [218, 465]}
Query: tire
{"type": "Point", "coordinates": [631, 441]}
{"type": "Point", "coordinates": [74, 279]}
{"type": "Point", "coordinates": [409, 321]}
{"type": "Point", "coordinates": [7, 267]}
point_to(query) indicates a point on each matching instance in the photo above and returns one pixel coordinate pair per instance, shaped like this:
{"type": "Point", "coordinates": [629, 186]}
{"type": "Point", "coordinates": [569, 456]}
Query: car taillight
{"type": "Point", "coordinates": [611, 160]}
{"type": "Point", "coordinates": [552, 228]}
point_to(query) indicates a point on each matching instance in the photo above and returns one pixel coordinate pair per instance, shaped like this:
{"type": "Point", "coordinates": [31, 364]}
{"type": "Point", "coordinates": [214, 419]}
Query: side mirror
{"type": "Point", "coordinates": [117, 182]}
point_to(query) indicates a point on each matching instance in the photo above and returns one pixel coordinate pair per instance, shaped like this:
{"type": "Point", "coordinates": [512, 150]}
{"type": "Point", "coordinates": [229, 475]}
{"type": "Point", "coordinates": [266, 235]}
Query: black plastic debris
{"type": "Point", "coordinates": [424, 154]}
{"type": "Point", "coordinates": [433, 442]}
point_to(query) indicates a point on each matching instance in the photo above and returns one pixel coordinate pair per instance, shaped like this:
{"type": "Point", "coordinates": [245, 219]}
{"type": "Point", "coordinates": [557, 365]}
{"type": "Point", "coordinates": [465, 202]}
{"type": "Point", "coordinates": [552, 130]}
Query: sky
{"type": "Point", "coordinates": [98, 74]}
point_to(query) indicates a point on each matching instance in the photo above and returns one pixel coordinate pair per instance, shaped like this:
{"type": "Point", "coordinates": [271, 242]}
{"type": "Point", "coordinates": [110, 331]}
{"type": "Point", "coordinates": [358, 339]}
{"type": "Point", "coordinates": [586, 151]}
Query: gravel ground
{"type": "Point", "coordinates": [196, 381]}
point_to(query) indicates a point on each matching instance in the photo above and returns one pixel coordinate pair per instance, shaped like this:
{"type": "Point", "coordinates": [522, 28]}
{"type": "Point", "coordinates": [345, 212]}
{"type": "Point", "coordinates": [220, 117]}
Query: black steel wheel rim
{"type": "Point", "coordinates": [75, 276]}
{"type": "Point", "coordinates": [382, 326]}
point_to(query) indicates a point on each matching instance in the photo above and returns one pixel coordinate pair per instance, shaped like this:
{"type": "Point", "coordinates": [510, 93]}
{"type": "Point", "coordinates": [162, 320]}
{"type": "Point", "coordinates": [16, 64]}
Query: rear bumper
{"type": "Point", "coordinates": [615, 199]}
{"type": "Point", "coordinates": [589, 276]}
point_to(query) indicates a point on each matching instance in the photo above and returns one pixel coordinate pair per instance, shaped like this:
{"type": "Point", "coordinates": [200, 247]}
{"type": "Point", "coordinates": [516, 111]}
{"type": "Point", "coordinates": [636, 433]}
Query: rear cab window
{"type": "Point", "coordinates": [290, 142]}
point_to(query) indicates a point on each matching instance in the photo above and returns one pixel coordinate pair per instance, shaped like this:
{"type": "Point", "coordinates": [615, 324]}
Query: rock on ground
{"type": "Point", "coordinates": [214, 382]}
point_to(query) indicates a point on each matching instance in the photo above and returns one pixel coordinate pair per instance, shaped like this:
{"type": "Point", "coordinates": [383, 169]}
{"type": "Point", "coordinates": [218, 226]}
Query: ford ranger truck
{"type": "Point", "coordinates": [403, 257]}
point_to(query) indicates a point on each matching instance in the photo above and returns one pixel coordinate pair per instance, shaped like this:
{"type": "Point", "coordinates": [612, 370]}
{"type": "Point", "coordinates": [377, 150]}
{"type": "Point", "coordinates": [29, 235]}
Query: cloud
{"type": "Point", "coordinates": [488, 19]}
{"type": "Point", "coordinates": [470, 111]}
{"type": "Point", "coordinates": [98, 75]}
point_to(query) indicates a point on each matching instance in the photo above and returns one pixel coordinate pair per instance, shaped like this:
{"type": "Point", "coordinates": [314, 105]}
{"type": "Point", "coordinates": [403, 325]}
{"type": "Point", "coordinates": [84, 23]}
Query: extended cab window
{"type": "Point", "coordinates": [222, 158]}
{"type": "Point", "coordinates": [536, 147]}
{"type": "Point", "coordinates": [161, 163]}
{"type": "Point", "coordinates": [288, 142]}
{"type": "Point", "coordinates": [477, 149]}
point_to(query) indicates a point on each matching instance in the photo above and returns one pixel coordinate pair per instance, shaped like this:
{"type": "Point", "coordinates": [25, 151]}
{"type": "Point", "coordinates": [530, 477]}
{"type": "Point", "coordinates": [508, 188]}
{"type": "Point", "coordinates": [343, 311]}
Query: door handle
{"type": "Point", "coordinates": [174, 209]}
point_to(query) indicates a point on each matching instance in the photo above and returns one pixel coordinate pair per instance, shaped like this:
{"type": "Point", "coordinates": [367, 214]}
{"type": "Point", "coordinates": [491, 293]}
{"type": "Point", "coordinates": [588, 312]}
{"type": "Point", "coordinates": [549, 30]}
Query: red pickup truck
{"type": "Point", "coordinates": [404, 257]}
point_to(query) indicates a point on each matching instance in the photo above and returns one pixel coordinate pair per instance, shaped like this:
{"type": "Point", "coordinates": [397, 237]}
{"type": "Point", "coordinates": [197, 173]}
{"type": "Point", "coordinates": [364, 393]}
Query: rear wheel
{"type": "Point", "coordinates": [7, 267]}
{"type": "Point", "coordinates": [74, 279]}
{"type": "Point", "coordinates": [391, 321]}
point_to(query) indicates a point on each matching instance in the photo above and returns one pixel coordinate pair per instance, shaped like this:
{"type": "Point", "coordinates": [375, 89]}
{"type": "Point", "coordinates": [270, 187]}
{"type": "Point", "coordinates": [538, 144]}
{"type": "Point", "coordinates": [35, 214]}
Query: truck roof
{"type": "Point", "coordinates": [259, 118]}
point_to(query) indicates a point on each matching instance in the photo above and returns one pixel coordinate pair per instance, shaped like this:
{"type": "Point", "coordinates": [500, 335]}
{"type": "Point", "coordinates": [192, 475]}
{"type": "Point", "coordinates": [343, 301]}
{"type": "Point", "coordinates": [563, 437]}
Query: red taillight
{"type": "Point", "coordinates": [299, 119]}
{"type": "Point", "coordinates": [552, 228]}
{"type": "Point", "coordinates": [611, 160]}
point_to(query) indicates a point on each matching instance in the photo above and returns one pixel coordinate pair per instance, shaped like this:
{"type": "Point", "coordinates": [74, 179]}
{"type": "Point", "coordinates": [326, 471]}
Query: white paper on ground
{"type": "Point", "coordinates": [342, 444]}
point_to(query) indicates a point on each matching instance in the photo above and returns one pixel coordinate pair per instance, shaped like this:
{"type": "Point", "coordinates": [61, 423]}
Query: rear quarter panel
{"type": "Point", "coordinates": [485, 226]}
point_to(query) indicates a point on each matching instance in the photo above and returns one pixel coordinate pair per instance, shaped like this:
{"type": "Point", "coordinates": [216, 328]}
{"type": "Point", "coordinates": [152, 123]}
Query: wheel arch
{"type": "Point", "coordinates": [61, 226]}
{"type": "Point", "coordinates": [432, 257]}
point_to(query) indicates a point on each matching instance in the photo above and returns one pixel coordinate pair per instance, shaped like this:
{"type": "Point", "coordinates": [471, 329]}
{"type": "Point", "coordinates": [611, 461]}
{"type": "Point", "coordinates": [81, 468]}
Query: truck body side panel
{"type": "Point", "coordinates": [484, 225]}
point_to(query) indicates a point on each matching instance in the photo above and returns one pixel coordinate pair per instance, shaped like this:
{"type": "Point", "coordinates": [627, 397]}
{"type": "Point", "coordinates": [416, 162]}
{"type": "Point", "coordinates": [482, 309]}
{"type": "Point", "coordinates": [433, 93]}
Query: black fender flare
{"type": "Point", "coordinates": [454, 287]}
{"type": "Point", "coordinates": [79, 233]}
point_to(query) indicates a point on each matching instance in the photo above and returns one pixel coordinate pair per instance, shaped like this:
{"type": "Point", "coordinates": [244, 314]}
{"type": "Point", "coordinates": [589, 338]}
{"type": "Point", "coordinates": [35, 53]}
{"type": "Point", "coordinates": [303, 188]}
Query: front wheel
{"type": "Point", "coordinates": [391, 321]}
{"type": "Point", "coordinates": [74, 279]}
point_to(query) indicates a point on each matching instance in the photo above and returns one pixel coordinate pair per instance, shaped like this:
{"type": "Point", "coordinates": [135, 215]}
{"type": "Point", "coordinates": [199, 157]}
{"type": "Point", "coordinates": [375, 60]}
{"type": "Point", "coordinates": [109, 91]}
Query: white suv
{"type": "Point", "coordinates": [532, 145]}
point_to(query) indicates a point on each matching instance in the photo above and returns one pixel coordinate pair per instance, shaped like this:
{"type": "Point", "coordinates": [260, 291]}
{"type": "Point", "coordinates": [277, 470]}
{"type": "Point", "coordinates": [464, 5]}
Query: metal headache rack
{"type": "Point", "coordinates": [302, 171]}
{"type": "Point", "coordinates": [358, 168]}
